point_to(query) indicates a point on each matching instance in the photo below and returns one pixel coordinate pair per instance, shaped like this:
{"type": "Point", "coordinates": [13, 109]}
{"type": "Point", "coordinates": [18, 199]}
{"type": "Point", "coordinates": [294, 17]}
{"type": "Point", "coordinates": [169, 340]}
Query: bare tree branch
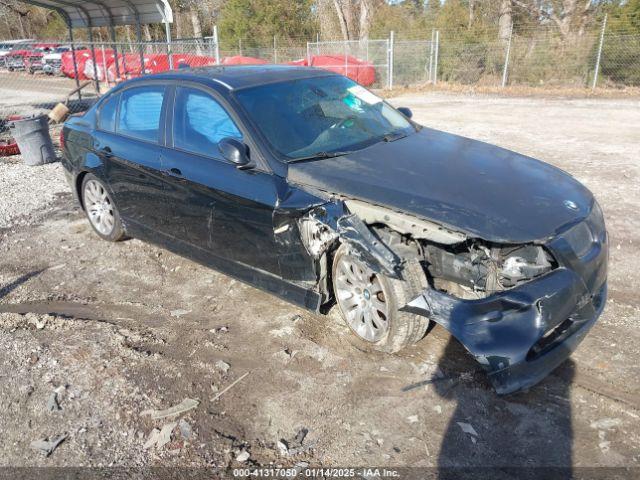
{"type": "Point", "coordinates": [341, 19]}
{"type": "Point", "coordinates": [15, 9]}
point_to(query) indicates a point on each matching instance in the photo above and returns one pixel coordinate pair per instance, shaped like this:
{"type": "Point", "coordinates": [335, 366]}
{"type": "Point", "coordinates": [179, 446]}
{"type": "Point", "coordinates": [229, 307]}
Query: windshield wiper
{"type": "Point", "coordinates": [319, 156]}
{"type": "Point", "coordinates": [393, 136]}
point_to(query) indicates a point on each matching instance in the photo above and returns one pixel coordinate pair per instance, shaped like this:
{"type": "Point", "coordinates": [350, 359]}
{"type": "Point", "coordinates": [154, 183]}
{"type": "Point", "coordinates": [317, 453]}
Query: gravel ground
{"type": "Point", "coordinates": [27, 190]}
{"type": "Point", "coordinates": [117, 329]}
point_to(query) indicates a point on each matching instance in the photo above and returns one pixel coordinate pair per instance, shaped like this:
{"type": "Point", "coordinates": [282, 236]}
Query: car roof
{"type": "Point", "coordinates": [235, 77]}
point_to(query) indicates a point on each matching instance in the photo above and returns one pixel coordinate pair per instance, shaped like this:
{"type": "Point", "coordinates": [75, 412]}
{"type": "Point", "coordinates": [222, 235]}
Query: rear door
{"type": "Point", "coordinates": [214, 205]}
{"type": "Point", "coordinates": [130, 128]}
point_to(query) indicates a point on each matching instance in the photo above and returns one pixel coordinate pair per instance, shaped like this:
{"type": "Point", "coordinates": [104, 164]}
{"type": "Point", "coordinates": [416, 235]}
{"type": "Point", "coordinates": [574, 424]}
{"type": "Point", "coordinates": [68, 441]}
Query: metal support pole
{"type": "Point", "coordinates": [346, 61]}
{"type": "Point", "coordinates": [93, 58]}
{"type": "Point", "coordinates": [240, 46]}
{"type": "Point", "coordinates": [124, 65]}
{"type": "Point", "coordinates": [505, 69]}
{"type": "Point", "coordinates": [215, 39]}
{"type": "Point", "coordinates": [104, 65]}
{"type": "Point", "coordinates": [167, 31]}
{"type": "Point", "coordinates": [390, 58]}
{"type": "Point", "coordinates": [140, 46]}
{"type": "Point", "coordinates": [308, 55]}
{"type": "Point", "coordinates": [75, 61]}
{"type": "Point", "coordinates": [112, 29]}
{"type": "Point", "coordinates": [435, 60]}
{"type": "Point", "coordinates": [596, 73]}
{"type": "Point", "coordinates": [432, 45]}
{"type": "Point", "coordinates": [275, 51]}
{"type": "Point", "coordinates": [210, 47]}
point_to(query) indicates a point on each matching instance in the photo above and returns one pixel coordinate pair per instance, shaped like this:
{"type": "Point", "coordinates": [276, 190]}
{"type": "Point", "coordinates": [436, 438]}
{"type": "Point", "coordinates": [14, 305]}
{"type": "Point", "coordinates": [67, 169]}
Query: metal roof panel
{"type": "Point", "coordinates": [101, 13]}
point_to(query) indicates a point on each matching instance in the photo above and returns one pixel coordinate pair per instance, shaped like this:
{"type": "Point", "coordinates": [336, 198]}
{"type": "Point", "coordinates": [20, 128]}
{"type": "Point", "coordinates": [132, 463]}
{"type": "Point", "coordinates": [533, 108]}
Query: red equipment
{"type": "Point", "coordinates": [358, 70]}
{"type": "Point", "coordinates": [240, 60]}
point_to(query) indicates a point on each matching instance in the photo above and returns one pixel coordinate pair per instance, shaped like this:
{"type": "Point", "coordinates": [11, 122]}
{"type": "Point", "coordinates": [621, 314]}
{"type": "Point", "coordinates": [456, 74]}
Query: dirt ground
{"type": "Point", "coordinates": [134, 328]}
{"type": "Point", "coordinates": [24, 94]}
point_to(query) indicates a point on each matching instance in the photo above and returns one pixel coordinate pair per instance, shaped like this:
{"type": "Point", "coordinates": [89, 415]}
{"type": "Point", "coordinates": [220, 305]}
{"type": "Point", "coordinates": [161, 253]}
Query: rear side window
{"type": "Point", "coordinates": [107, 115]}
{"type": "Point", "coordinates": [140, 111]}
{"type": "Point", "coordinates": [200, 122]}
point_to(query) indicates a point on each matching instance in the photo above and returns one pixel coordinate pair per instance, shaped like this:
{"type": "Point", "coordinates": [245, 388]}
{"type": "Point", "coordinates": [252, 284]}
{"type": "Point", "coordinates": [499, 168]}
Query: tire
{"type": "Point", "coordinates": [100, 209]}
{"type": "Point", "coordinates": [400, 328]}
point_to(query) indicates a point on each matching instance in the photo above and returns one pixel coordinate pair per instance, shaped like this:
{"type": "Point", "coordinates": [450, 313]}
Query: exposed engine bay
{"type": "Point", "coordinates": [474, 270]}
{"type": "Point", "coordinates": [464, 267]}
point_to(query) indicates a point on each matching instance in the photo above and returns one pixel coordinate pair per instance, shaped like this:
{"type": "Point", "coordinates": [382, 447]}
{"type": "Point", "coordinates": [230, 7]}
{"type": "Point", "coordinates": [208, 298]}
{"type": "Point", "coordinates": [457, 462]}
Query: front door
{"type": "Point", "coordinates": [213, 205]}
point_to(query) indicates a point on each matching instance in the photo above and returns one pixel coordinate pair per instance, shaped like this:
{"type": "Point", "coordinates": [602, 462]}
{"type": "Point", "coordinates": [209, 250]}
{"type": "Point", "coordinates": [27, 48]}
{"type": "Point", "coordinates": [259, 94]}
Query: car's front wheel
{"type": "Point", "coordinates": [100, 209]}
{"type": "Point", "coordinates": [369, 302]}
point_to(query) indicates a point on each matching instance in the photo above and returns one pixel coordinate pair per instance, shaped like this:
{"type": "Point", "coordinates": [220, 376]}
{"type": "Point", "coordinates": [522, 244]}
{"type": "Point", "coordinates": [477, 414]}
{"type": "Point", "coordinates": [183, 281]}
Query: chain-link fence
{"type": "Point", "coordinates": [37, 76]}
{"type": "Point", "coordinates": [366, 62]}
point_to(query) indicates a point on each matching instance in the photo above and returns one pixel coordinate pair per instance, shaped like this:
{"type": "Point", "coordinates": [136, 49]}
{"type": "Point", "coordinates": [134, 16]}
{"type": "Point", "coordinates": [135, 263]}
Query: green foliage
{"type": "Point", "coordinates": [624, 17]}
{"type": "Point", "coordinates": [404, 18]}
{"type": "Point", "coordinates": [257, 21]}
{"type": "Point", "coordinates": [56, 28]}
{"type": "Point", "coordinates": [620, 63]}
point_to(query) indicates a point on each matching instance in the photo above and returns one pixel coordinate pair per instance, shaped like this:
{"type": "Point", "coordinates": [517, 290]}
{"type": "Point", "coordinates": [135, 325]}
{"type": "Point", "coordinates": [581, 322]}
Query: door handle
{"type": "Point", "coordinates": [174, 172]}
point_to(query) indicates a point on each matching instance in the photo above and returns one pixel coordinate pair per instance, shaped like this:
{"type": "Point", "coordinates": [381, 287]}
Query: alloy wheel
{"type": "Point", "coordinates": [99, 207]}
{"type": "Point", "coordinates": [362, 299]}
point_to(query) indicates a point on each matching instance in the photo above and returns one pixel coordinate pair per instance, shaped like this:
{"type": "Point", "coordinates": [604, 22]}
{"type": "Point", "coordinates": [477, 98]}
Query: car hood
{"type": "Point", "coordinates": [52, 56]}
{"type": "Point", "coordinates": [480, 189]}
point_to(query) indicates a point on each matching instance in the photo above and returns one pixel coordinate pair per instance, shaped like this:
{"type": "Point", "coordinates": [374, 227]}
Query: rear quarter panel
{"type": "Point", "coordinates": [78, 154]}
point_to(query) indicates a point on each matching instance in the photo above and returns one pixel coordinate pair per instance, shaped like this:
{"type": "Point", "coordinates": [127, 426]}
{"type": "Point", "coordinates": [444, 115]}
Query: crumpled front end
{"type": "Point", "coordinates": [521, 334]}
{"type": "Point", "coordinates": [519, 308]}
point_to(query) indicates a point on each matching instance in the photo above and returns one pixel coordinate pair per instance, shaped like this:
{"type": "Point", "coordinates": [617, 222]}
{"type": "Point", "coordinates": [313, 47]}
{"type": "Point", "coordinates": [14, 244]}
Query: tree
{"type": "Point", "coordinates": [20, 13]}
{"type": "Point", "coordinates": [407, 19]}
{"type": "Point", "coordinates": [569, 16]}
{"type": "Point", "coordinates": [256, 21]}
{"type": "Point", "coordinates": [348, 11]}
{"type": "Point", "coordinates": [505, 20]}
{"type": "Point", "coordinates": [624, 16]}
{"type": "Point", "coordinates": [620, 56]}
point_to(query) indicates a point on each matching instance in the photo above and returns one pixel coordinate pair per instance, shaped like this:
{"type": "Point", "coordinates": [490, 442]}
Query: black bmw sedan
{"type": "Point", "coordinates": [307, 185]}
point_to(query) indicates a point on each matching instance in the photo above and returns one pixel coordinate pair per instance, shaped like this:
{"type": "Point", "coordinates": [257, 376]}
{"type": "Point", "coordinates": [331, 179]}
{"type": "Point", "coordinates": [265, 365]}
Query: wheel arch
{"type": "Point", "coordinates": [99, 174]}
{"type": "Point", "coordinates": [78, 186]}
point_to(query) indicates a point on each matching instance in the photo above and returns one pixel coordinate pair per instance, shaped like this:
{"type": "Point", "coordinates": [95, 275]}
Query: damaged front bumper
{"type": "Point", "coordinates": [520, 335]}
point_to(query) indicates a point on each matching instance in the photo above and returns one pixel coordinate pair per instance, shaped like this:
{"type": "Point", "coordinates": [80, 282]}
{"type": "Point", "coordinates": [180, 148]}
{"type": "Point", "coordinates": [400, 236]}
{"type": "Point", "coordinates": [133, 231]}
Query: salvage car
{"type": "Point", "coordinates": [7, 45]}
{"type": "Point", "coordinates": [52, 62]}
{"type": "Point", "coordinates": [27, 56]}
{"type": "Point", "coordinates": [305, 184]}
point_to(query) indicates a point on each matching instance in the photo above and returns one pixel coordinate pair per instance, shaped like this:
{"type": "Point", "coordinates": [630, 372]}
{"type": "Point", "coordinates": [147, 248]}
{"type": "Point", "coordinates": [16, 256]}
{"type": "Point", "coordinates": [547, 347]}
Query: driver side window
{"type": "Point", "coordinates": [200, 122]}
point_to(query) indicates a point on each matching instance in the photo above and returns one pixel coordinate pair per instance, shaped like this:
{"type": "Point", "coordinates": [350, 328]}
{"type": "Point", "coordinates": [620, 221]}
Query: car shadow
{"type": "Point", "coordinates": [524, 435]}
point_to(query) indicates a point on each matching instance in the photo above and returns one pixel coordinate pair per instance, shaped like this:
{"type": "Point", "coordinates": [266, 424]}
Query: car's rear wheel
{"type": "Point", "coordinates": [100, 209]}
{"type": "Point", "coordinates": [369, 302]}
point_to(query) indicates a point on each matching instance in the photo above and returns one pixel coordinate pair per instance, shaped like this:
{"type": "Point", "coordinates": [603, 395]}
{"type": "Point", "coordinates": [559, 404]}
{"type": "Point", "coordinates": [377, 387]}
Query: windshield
{"type": "Point", "coordinates": [318, 116]}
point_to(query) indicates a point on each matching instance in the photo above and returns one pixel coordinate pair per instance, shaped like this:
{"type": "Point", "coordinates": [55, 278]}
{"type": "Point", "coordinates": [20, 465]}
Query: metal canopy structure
{"type": "Point", "coordinates": [109, 13]}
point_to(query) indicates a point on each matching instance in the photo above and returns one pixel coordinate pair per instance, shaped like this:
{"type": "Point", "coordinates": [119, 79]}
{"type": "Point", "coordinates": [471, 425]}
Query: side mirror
{"type": "Point", "coordinates": [405, 111]}
{"type": "Point", "coordinates": [236, 152]}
